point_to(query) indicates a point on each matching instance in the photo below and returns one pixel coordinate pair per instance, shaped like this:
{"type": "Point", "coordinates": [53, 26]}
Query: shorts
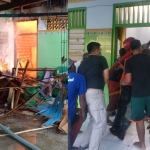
{"type": "Point", "coordinates": [138, 106]}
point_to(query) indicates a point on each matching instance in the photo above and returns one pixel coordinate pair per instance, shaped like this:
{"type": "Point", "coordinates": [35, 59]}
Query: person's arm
{"type": "Point", "coordinates": [128, 72]}
{"type": "Point", "coordinates": [105, 69]}
{"type": "Point", "coordinates": [121, 66]}
{"type": "Point", "coordinates": [128, 77]}
{"type": "Point", "coordinates": [83, 106]}
{"type": "Point", "coordinates": [106, 75]}
{"type": "Point", "coordinates": [82, 99]}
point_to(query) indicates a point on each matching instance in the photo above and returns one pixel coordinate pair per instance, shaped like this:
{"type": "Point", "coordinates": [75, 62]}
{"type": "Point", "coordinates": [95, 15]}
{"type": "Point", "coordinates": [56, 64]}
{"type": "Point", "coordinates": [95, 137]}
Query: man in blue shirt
{"type": "Point", "coordinates": [76, 87]}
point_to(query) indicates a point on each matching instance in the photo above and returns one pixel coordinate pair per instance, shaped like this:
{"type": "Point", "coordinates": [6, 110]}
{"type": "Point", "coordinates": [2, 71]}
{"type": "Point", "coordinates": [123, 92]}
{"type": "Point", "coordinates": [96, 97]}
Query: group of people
{"type": "Point", "coordinates": [129, 82]}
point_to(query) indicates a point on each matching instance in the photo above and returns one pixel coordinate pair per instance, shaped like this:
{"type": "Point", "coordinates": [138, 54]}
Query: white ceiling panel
{"type": "Point", "coordinates": [76, 41]}
{"type": "Point", "coordinates": [80, 47]}
{"type": "Point", "coordinates": [81, 31]}
{"type": "Point", "coordinates": [80, 36]}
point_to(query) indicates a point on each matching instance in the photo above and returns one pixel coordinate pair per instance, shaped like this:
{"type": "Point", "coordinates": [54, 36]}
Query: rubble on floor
{"type": "Point", "coordinates": [49, 138]}
{"type": "Point", "coordinates": [35, 107]}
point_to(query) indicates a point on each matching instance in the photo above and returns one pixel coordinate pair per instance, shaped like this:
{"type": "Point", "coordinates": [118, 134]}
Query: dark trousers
{"type": "Point", "coordinates": [69, 135]}
{"type": "Point", "coordinates": [70, 125]}
{"type": "Point", "coordinates": [125, 99]}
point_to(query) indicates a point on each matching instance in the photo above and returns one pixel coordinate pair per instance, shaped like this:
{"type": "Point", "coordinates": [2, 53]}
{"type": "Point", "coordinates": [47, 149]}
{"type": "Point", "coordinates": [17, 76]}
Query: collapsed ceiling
{"type": "Point", "coordinates": [27, 4]}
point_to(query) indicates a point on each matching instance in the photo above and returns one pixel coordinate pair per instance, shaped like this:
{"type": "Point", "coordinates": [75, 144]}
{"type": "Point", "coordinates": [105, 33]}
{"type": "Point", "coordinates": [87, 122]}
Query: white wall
{"type": "Point", "coordinates": [6, 43]}
{"type": "Point", "coordinates": [99, 12]}
{"type": "Point", "coordinates": [142, 33]}
{"type": "Point", "coordinates": [42, 24]}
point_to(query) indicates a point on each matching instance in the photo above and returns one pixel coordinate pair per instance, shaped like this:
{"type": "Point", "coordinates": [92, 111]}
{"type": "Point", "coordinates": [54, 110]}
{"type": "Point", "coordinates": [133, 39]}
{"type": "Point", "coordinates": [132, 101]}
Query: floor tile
{"type": "Point", "coordinates": [108, 145]}
{"type": "Point", "coordinates": [111, 142]}
{"type": "Point", "coordinates": [136, 139]}
{"type": "Point", "coordinates": [132, 129]}
{"type": "Point", "coordinates": [78, 140]}
{"type": "Point", "coordinates": [115, 139]}
{"type": "Point", "coordinates": [133, 148]}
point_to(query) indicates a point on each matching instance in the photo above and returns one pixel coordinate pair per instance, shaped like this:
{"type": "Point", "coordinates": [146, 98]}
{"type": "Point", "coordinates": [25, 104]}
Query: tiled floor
{"type": "Point", "coordinates": [111, 142]}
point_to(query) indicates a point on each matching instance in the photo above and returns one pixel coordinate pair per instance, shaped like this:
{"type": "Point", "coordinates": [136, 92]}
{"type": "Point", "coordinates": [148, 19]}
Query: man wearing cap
{"type": "Point", "coordinates": [95, 70]}
{"type": "Point", "coordinates": [76, 87]}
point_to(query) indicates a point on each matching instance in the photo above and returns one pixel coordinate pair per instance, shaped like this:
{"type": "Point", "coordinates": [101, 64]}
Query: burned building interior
{"type": "Point", "coordinates": [33, 74]}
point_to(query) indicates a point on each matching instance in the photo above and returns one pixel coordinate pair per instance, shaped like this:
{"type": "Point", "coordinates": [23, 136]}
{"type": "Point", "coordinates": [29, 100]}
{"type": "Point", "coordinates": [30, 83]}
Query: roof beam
{"type": "Point", "coordinates": [7, 1]}
{"type": "Point", "coordinates": [35, 14]}
{"type": "Point", "coordinates": [18, 3]}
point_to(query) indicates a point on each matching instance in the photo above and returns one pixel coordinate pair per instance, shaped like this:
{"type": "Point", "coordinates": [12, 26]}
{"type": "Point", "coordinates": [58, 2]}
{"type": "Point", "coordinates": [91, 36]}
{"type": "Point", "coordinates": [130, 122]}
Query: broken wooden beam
{"type": "Point", "coordinates": [10, 112]}
{"type": "Point", "coordinates": [31, 130]}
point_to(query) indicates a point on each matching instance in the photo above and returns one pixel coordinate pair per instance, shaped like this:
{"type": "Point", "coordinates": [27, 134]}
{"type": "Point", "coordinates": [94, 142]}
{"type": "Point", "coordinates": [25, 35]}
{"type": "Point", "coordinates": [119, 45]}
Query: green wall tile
{"type": "Point", "coordinates": [108, 40]}
{"type": "Point", "coordinates": [49, 48]}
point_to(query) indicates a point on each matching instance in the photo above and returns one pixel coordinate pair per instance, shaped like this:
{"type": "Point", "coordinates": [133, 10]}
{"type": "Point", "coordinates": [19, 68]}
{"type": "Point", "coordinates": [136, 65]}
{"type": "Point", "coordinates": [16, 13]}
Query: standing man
{"type": "Point", "coordinates": [137, 70]}
{"type": "Point", "coordinates": [121, 123]}
{"type": "Point", "coordinates": [76, 87]}
{"type": "Point", "coordinates": [95, 70]}
{"type": "Point", "coordinates": [114, 88]}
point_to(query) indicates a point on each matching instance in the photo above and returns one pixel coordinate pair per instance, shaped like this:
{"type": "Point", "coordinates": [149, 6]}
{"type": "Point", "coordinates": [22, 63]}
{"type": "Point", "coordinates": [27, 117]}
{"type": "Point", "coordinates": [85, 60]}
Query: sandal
{"type": "Point", "coordinates": [109, 122]}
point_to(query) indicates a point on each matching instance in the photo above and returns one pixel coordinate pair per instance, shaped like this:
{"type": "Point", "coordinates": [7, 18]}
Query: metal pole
{"type": "Point", "coordinates": [18, 138]}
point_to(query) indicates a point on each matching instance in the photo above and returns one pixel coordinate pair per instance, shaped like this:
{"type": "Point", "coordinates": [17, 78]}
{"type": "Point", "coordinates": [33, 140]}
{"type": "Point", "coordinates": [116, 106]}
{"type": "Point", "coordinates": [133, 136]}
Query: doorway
{"type": "Point", "coordinates": [128, 18]}
{"type": "Point", "coordinates": [26, 43]}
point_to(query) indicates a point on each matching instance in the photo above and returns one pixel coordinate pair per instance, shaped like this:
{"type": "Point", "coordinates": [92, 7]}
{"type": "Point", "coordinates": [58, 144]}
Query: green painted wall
{"type": "Point", "coordinates": [104, 38]}
{"type": "Point", "coordinates": [51, 47]}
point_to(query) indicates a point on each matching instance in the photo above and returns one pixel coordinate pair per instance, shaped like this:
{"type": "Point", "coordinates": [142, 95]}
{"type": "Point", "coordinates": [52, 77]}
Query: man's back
{"type": "Point", "coordinates": [92, 68]}
{"type": "Point", "coordinates": [139, 66]}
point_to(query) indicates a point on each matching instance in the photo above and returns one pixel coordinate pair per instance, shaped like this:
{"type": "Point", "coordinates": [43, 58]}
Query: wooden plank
{"type": "Point", "coordinates": [10, 112]}
{"type": "Point", "coordinates": [76, 36]}
{"type": "Point", "coordinates": [76, 41]}
{"type": "Point", "coordinates": [31, 130]}
{"type": "Point", "coordinates": [22, 80]}
{"type": "Point", "coordinates": [75, 31]}
{"type": "Point", "coordinates": [76, 55]}
{"type": "Point", "coordinates": [39, 69]}
{"type": "Point", "coordinates": [18, 3]}
{"type": "Point", "coordinates": [99, 30]}
{"type": "Point", "coordinates": [76, 47]}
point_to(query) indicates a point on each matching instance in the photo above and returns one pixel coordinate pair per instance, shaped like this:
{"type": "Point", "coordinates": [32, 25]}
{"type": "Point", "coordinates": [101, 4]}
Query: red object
{"type": "Point", "coordinates": [126, 43]}
{"type": "Point", "coordinates": [75, 130]}
{"type": "Point", "coordinates": [114, 95]}
{"type": "Point", "coordinates": [120, 61]}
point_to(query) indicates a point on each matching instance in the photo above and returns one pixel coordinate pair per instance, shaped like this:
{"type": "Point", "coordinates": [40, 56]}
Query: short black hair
{"type": "Point", "coordinates": [93, 46]}
{"type": "Point", "coordinates": [122, 51]}
{"type": "Point", "coordinates": [85, 55]}
{"type": "Point", "coordinates": [135, 44]}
